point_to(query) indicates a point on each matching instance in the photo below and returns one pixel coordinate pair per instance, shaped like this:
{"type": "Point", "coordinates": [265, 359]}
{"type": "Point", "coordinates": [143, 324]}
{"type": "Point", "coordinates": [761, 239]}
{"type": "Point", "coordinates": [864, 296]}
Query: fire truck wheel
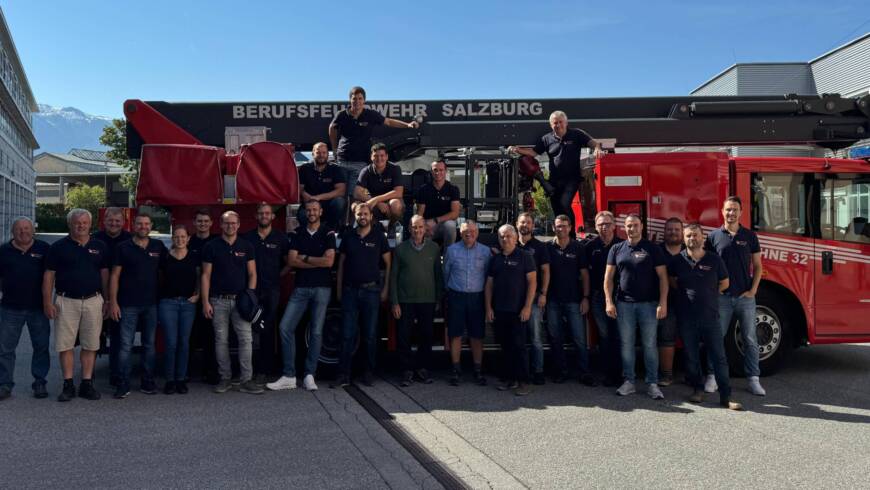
{"type": "Point", "coordinates": [772, 326]}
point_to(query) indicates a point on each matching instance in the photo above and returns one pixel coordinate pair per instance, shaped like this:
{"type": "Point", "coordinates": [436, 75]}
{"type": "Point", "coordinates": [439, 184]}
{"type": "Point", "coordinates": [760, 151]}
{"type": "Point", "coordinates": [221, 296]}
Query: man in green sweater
{"type": "Point", "coordinates": [415, 286]}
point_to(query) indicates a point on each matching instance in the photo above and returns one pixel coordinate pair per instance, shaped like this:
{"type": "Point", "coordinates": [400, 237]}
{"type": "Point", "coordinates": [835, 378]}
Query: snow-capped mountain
{"type": "Point", "coordinates": [59, 129]}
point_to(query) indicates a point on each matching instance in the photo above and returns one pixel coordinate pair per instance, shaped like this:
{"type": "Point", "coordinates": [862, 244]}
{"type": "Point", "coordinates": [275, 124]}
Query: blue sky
{"type": "Point", "coordinates": [94, 54]}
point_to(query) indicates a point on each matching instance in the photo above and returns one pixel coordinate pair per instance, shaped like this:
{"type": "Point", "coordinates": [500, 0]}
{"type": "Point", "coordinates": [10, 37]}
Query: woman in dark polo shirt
{"type": "Point", "coordinates": [179, 292]}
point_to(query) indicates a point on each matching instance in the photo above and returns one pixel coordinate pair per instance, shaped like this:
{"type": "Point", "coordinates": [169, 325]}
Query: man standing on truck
{"type": "Point", "coordinates": [438, 203]}
{"type": "Point", "coordinates": [697, 278]}
{"type": "Point", "coordinates": [350, 134]}
{"type": "Point", "coordinates": [228, 268]}
{"type": "Point", "coordinates": [360, 290]}
{"type": "Point", "coordinates": [740, 250]}
{"type": "Point", "coordinates": [563, 147]}
{"type": "Point", "coordinates": [608, 331]}
{"type": "Point", "coordinates": [326, 183]}
{"type": "Point", "coordinates": [667, 334]}
{"type": "Point", "coordinates": [380, 186]}
{"type": "Point", "coordinates": [540, 252]}
{"type": "Point", "coordinates": [270, 249]}
{"type": "Point", "coordinates": [112, 234]}
{"type": "Point", "coordinates": [640, 299]}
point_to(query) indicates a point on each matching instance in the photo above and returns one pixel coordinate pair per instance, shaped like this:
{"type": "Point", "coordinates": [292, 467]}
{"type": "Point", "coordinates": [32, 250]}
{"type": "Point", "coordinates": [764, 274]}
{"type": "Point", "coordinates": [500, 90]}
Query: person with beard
{"type": "Point", "coordinates": [324, 182]}
{"type": "Point", "coordinates": [312, 253]}
{"type": "Point", "coordinates": [270, 248]}
{"type": "Point", "coordinates": [202, 335]}
{"type": "Point", "coordinates": [133, 301]}
{"type": "Point", "coordinates": [112, 234]}
{"type": "Point", "coordinates": [608, 331]}
{"type": "Point", "coordinates": [360, 290]}
{"type": "Point", "coordinates": [540, 252]}
{"type": "Point", "coordinates": [667, 333]}
{"type": "Point", "coordinates": [380, 186]}
{"type": "Point", "coordinates": [438, 203]}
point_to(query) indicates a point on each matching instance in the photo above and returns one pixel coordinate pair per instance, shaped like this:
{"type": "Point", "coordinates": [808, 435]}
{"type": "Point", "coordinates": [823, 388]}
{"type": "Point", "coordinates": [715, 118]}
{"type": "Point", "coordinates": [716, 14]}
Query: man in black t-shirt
{"type": "Point", "coordinates": [202, 334]}
{"type": "Point", "coordinates": [350, 134]}
{"type": "Point", "coordinates": [597, 250]}
{"type": "Point", "coordinates": [133, 301]}
{"type": "Point", "coordinates": [637, 300]}
{"type": "Point", "coordinates": [508, 295]}
{"type": "Point", "coordinates": [228, 269]}
{"type": "Point", "coordinates": [312, 253]}
{"type": "Point", "coordinates": [541, 254]}
{"type": "Point", "coordinates": [667, 333]}
{"type": "Point", "coordinates": [380, 186]}
{"type": "Point", "coordinates": [563, 147]}
{"type": "Point", "coordinates": [324, 182]}
{"type": "Point", "coordinates": [112, 234]}
{"type": "Point", "coordinates": [438, 204]}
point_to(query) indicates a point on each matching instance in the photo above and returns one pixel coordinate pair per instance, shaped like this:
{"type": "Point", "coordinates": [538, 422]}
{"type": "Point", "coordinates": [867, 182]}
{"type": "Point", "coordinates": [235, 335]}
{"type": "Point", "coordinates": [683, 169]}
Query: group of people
{"type": "Point", "coordinates": [116, 282]}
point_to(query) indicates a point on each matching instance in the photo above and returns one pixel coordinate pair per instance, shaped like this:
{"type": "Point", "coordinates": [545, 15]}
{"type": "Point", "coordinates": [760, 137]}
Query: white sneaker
{"type": "Point", "coordinates": [308, 383]}
{"type": "Point", "coordinates": [654, 392]}
{"type": "Point", "coordinates": [626, 389]}
{"type": "Point", "coordinates": [755, 386]}
{"type": "Point", "coordinates": [283, 383]}
{"type": "Point", "coordinates": [710, 385]}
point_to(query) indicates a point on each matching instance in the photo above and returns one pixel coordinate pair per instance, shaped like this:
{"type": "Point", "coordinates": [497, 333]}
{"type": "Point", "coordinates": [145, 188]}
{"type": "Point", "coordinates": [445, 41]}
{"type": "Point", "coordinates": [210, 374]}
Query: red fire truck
{"type": "Point", "coordinates": [810, 213]}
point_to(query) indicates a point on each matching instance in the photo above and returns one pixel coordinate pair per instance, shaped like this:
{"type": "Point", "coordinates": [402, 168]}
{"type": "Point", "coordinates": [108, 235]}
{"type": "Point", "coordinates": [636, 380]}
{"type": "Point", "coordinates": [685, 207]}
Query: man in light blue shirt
{"type": "Point", "coordinates": [465, 265]}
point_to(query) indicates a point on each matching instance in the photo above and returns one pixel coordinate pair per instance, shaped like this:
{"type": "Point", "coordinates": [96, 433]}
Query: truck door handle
{"type": "Point", "coordinates": [827, 263]}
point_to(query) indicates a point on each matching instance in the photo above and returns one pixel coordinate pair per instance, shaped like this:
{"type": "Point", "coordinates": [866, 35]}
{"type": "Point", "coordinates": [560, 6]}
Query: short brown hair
{"type": "Point", "coordinates": [734, 199]}
{"type": "Point", "coordinates": [378, 147]}
{"type": "Point", "coordinates": [357, 90]}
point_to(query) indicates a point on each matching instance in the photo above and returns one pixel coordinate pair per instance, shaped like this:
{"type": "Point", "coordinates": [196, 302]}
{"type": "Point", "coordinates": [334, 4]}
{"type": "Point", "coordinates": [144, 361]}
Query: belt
{"type": "Point", "coordinates": [224, 296]}
{"type": "Point", "coordinates": [364, 285]}
{"type": "Point", "coordinates": [78, 296]}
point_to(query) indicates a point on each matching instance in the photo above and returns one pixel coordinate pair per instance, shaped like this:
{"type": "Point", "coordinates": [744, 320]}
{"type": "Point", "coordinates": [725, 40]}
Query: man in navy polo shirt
{"type": "Point", "coordinates": [228, 268]}
{"type": "Point", "coordinates": [360, 290]}
{"type": "Point", "coordinates": [312, 253]}
{"type": "Point", "coordinates": [667, 334]}
{"type": "Point", "coordinates": [22, 265]}
{"type": "Point", "coordinates": [77, 267]}
{"type": "Point", "coordinates": [202, 334]}
{"type": "Point", "coordinates": [350, 134]}
{"type": "Point", "coordinates": [697, 278]}
{"type": "Point", "coordinates": [563, 147]}
{"type": "Point", "coordinates": [739, 248]}
{"type": "Point", "coordinates": [639, 301]}
{"type": "Point", "coordinates": [568, 300]}
{"type": "Point", "coordinates": [380, 186]}
{"type": "Point", "coordinates": [324, 182]}
{"type": "Point", "coordinates": [438, 203]}
{"type": "Point", "coordinates": [540, 252]}
{"type": "Point", "coordinates": [508, 295]}
{"type": "Point", "coordinates": [112, 234]}
{"type": "Point", "coordinates": [133, 301]}
{"type": "Point", "coordinates": [597, 251]}
{"type": "Point", "coordinates": [270, 248]}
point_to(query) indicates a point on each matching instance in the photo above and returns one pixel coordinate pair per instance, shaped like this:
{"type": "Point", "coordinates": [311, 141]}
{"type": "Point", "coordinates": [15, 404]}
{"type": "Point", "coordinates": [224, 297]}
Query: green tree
{"type": "Point", "coordinates": [542, 202]}
{"type": "Point", "coordinates": [115, 137]}
{"type": "Point", "coordinates": [90, 197]}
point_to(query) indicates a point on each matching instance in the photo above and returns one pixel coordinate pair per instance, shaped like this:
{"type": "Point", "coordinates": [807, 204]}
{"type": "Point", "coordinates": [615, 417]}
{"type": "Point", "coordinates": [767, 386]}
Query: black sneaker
{"type": "Point", "coordinates": [424, 377]}
{"type": "Point", "coordinates": [455, 378]}
{"type": "Point", "coordinates": [148, 386]}
{"type": "Point", "coordinates": [588, 380]}
{"type": "Point", "coordinates": [87, 390]}
{"type": "Point", "coordinates": [368, 378]}
{"type": "Point", "coordinates": [39, 391]}
{"type": "Point", "coordinates": [538, 379]}
{"type": "Point", "coordinates": [68, 392]}
{"type": "Point", "coordinates": [479, 378]}
{"type": "Point", "coordinates": [407, 379]}
{"type": "Point", "coordinates": [122, 391]}
{"type": "Point", "coordinates": [508, 385]}
{"type": "Point", "coordinates": [181, 387]}
{"type": "Point", "coordinates": [169, 388]}
{"type": "Point", "coordinates": [340, 382]}
{"type": "Point", "coordinates": [5, 392]}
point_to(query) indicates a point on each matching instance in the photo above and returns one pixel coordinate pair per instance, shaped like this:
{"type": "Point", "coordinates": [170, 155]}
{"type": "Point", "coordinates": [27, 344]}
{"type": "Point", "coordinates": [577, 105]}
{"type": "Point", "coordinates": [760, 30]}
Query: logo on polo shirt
{"type": "Point", "coordinates": [35, 255]}
{"type": "Point", "coordinates": [271, 245]}
{"type": "Point", "coordinates": [326, 180]}
{"type": "Point", "coordinates": [639, 254]}
{"type": "Point", "coordinates": [570, 256]}
{"type": "Point", "coordinates": [154, 254]}
{"type": "Point", "coordinates": [742, 243]}
{"type": "Point", "coordinates": [369, 244]}
{"type": "Point", "coordinates": [511, 263]}
{"type": "Point", "coordinates": [239, 254]}
{"type": "Point", "coordinates": [705, 267]}
{"type": "Point", "coordinates": [93, 251]}
{"type": "Point", "coordinates": [362, 123]}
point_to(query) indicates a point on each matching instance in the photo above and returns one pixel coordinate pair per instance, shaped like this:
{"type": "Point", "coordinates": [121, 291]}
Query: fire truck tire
{"type": "Point", "coordinates": [773, 331]}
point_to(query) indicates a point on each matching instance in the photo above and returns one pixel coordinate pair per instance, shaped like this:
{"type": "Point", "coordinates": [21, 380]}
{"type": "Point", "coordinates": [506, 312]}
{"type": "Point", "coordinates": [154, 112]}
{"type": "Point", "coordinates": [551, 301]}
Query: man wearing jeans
{"type": "Point", "coordinates": [566, 305]}
{"type": "Point", "coordinates": [741, 252]}
{"type": "Point", "coordinates": [540, 252]}
{"type": "Point", "coordinates": [360, 291]}
{"type": "Point", "coordinates": [22, 265]}
{"type": "Point", "coordinates": [697, 277]}
{"type": "Point", "coordinates": [228, 268]}
{"type": "Point", "coordinates": [312, 253]}
{"type": "Point", "coordinates": [438, 203]}
{"type": "Point", "coordinates": [640, 300]}
{"type": "Point", "coordinates": [608, 331]}
{"type": "Point", "coordinates": [133, 300]}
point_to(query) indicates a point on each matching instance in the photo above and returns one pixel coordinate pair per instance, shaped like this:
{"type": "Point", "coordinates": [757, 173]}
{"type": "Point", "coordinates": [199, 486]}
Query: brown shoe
{"type": "Point", "coordinates": [697, 396]}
